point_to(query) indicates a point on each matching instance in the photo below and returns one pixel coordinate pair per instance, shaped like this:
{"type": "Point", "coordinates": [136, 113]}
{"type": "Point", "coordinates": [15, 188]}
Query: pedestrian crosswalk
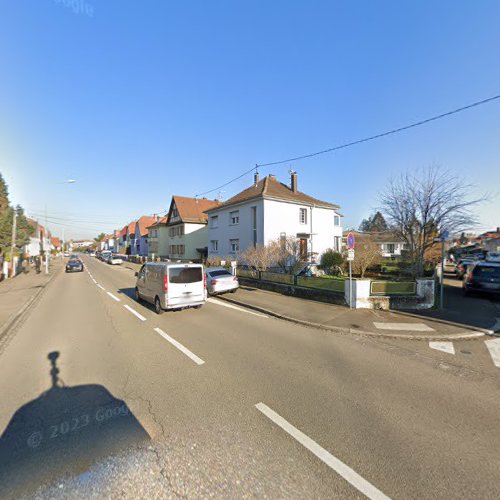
{"type": "Point", "coordinates": [492, 349]}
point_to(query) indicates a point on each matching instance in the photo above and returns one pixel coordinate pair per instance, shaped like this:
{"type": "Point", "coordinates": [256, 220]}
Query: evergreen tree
{"type": "Point", "coordinates": [376, 223]}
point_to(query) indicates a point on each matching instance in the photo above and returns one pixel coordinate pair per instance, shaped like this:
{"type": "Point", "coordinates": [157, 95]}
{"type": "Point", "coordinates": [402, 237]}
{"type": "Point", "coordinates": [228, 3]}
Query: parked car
{"type": "Point", "coordinates": [74, 256]}
{"type": "Point", "coordinates": [482, 276]}
{"type": "Point", "coordinates": [113, 260]}
{"type": "Point", "coordinates": [66, 254]}
{"type": "Point", "coordinates": [92, 254]}
{"type": "Point", "coordinates": [461, 267]}
{"type": "Point", "coordinates": [220, 280]}
{"type": "Point", "coordinates": [74, 265]}
{"type": "Point", "coordinates": [170, 285]}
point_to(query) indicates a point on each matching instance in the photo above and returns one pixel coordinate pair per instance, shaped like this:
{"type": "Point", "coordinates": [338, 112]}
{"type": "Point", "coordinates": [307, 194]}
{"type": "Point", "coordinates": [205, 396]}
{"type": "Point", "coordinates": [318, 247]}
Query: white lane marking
{"type": "Point", "coordinates": [114, 297]}
{"type": "Point", "coordinates": [351, 476]}
{"type": "Point", "coordinates": [134, 312]}
{"type": "Point", "coordinates": [230, 306]}
{"type": "Point", "coordinates": [100, 286]}
{"type": "Point", "coordinates": [415, 327]}
{"type": "Point", "coordinates": [493, 346]}
{"type": "Point", "coordinates": [443, 346]}
{"type": "Point", "coordinates": [179, 346]}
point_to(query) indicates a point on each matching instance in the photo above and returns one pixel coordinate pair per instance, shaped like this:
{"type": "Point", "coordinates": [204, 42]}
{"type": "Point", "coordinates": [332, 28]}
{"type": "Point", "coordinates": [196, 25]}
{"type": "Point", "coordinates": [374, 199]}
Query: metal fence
{"type": "Point", "coordinates": [393, 288]}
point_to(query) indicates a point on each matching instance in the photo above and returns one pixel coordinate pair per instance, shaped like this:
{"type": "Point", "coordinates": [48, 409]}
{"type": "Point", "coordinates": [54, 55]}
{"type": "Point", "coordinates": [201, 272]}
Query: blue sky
{"type": "Point", "coordinates": [142, 100]}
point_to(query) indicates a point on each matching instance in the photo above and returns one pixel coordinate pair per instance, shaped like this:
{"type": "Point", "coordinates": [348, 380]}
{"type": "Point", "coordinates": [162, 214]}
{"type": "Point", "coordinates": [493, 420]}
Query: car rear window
{"type": "Point", "coordinates": [220, 272]}
{"type": "Point", "coordinates": [184, 274]}
{"type": "Point", "coordinates": [487, 272]}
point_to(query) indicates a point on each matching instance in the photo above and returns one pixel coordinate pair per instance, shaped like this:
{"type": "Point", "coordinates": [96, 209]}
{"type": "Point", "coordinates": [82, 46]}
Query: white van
{"type": "Point", "coordinates": [171, 285]}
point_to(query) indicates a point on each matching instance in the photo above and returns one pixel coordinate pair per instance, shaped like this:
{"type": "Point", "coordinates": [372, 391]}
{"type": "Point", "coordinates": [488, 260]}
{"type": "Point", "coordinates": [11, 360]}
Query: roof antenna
{"type": "Point", "coordinates": [220, 196]}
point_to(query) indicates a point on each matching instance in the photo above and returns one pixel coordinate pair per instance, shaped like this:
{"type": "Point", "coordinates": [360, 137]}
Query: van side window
{"type": "Point", "coordinates": [142, 272]}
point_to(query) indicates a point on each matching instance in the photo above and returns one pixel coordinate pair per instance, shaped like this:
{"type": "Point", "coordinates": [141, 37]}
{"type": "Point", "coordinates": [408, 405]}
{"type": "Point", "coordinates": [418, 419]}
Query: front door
{"type": "Point", "coordinates": [303, 248]}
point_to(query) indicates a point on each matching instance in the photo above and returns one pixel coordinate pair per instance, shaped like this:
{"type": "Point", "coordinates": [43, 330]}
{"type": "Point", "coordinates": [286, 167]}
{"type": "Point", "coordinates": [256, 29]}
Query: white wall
{"type": "Point", "coordinates": [273, 218]}
{"type": "Point", "coordinates": [33, 247]}
{"type": "Point", "coordinates": [195, 236]}
{"type": "Point", "coordinates": [282, 217]}
{"type": "Point", "coordinates": [242, 231]}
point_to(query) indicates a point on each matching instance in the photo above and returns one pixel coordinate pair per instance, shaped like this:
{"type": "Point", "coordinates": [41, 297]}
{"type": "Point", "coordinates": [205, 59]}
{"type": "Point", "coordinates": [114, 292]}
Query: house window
{"type": "Point", "coordinates": [390, 248]}
{"type": "Point", "coordinates": [303, 216]}
{"type": "Point", "coordinates": [336, 220]}
{"type": "Point", "coordinates": [234, 245]}
{"type": "Point", "coordinates": [175, 213]}
{"type": "Point", "coordinates": [336, 243]}
{"type": "Point", "coordinates": [214, 221]}
{"type": "Point", "coordinates": [234, 217]}
{"type": "Point", "coordinates": [214, 245]}
{"type": "Point", "coordinates": [181, 250]}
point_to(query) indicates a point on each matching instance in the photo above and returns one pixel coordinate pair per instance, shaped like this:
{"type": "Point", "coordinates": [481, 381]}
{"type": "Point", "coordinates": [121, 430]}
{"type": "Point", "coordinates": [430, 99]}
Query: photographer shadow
{"type": "Point", "coordinates": [63, 431]}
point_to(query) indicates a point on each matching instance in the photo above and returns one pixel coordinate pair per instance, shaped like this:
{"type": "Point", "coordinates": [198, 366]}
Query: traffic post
{"type": "Point", "coordinates": [350, 258]}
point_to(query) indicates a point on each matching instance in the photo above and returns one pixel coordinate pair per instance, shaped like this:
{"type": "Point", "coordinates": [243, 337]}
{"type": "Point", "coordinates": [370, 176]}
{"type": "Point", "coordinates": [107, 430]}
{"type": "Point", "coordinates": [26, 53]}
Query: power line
{"type": "Point", "coordinates": [359, 141]}
{"type": "Point", "coordinates": [384, 134]}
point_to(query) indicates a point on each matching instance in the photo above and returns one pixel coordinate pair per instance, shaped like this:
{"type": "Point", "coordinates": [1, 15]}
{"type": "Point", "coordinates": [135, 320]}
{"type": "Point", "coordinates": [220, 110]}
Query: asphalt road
{"type": "Point", "coordinates": [98, 402]}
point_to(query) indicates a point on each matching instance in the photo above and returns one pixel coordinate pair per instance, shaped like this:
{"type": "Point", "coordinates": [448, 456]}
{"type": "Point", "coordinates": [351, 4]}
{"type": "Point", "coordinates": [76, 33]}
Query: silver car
{"type": "Point", "coordinates": [220, 280]}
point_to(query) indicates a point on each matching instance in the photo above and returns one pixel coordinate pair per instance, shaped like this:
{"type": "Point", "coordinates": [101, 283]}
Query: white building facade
{"type": "Point", "coordinates": [270, 210]}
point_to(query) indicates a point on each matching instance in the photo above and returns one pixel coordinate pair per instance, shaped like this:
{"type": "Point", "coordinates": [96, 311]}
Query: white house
{"type": "Point", "coordinates": [187, 228]}
{"type": "Point", "coordinates": [391, 245]}
{"type": "Point", "coordinates": [269, 210]}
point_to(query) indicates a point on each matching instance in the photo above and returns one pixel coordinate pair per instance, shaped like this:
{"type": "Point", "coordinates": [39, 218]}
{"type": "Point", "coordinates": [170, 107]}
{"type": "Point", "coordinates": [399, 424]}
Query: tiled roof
{"type": "Point", "coordinates": [270, 187]}
{"type": "Point", "coordinates": [55, 241]}
{"type": "Point", "coordinates": [192, 209]}
{"type": "Point", "coordinates": [144, 222]}
{"type": "Point", "coordinates": [123, 232]}
{"type": "Point", "coordinates": [131, 227]}
{"type": "Point", "coordinates": [161, 221]}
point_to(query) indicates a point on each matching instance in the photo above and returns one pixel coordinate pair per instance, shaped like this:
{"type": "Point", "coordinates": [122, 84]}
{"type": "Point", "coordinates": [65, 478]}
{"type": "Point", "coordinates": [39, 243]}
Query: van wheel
{"type": "Point", "coordinates": [137, 295]}
{"type": "Point", "coordinates": [198, 306]}
{"type": "Point", "coordinates": [158, 307]}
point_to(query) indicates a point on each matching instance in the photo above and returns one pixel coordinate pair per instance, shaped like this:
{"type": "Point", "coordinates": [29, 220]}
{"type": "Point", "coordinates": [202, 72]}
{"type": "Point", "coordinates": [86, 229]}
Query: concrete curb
{"type": "Point", "coordinates": [15, 318]}
{"type": "Point", "coordinates": [354, 331]}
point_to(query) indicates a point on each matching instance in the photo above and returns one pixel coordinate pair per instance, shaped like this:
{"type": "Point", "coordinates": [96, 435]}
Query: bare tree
{"type": "Point", "coordinates": [367, 254]}
{"type": "Point", "coordinates": [261, 257]}
{"type": "Point", "coordinates": [286, 252]}
{"type": "Point", "coordinates": [421, 205]}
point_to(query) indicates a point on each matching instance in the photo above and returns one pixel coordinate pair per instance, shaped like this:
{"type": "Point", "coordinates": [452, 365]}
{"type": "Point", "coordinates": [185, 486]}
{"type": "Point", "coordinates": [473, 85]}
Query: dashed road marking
{"type": "Point", "coordinates": [493, 346]}
{"type": "Point", "coordinates": [134, 312]}
{"type": "Point", "coordinates": [114, 297]}
{"type": "Point", "coordinates": [343, 470]}
{"type": "Point", "coordinates": [230, 306]}
{"type": "Point", "coordinates": [100, 286]}
{"type": "Point", "coordinates": [447, 347]}
{"type": "Point", "coordinates": [414, 327]}
{"type": "Point", "coordinates": [179, 346]}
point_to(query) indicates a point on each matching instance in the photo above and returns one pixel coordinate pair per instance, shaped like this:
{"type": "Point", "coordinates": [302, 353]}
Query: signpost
{"type": "Point", "coordinates": [350, 258]}
{"type": "Point", "coordinates": [444, 236]}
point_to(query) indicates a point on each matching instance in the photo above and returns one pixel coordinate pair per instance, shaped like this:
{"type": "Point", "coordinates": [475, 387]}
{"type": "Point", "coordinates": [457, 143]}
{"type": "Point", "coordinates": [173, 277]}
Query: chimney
{"type": "Point", "coordinates": [256, 178]}
{"type": "Point", "coordinates": [272, 177]}
{"type": "Point", "coordinates": [293, 181]}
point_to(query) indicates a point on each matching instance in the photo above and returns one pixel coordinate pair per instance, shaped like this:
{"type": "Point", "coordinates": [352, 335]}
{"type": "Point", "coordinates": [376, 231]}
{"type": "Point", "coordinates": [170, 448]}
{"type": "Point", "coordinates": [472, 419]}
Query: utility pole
{"type": "Point", "coordinates": [47, 250]}
{"type": "Point", "coordinates": [13, 244]}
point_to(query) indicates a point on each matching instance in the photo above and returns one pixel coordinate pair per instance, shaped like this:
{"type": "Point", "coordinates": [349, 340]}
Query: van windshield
{"type": "Point", "coordinates": [184, 274]}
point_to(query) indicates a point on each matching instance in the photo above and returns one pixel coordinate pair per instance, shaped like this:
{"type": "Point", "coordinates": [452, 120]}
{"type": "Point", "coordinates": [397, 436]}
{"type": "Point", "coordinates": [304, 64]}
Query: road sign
{"type": "Point", "coordinates": [350, 241]}
{"type": "Point", "coordinates": [445, 235]}
{"type": "Point", "coordinates": [350, 254]}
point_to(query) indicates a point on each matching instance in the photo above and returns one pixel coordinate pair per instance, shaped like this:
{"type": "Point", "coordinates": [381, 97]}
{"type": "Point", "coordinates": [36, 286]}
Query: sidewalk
{"type": "Point", "coordinates": [344, 320]}
{"type": "Point", "coordinates": [16, 294]}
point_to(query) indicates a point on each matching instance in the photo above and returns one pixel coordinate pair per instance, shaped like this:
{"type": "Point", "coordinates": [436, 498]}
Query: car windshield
{"type": "Point", "coordinates": [184, 274]}
{"type": "Point", "coordinates": [220, 272]}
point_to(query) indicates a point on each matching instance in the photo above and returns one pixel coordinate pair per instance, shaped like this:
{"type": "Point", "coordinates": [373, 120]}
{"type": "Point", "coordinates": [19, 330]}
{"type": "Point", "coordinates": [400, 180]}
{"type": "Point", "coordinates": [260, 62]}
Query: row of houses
{"type": "Point", "coordinates": [196, 228]}
{"type": "Point", "coordinates": [41, 241]}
